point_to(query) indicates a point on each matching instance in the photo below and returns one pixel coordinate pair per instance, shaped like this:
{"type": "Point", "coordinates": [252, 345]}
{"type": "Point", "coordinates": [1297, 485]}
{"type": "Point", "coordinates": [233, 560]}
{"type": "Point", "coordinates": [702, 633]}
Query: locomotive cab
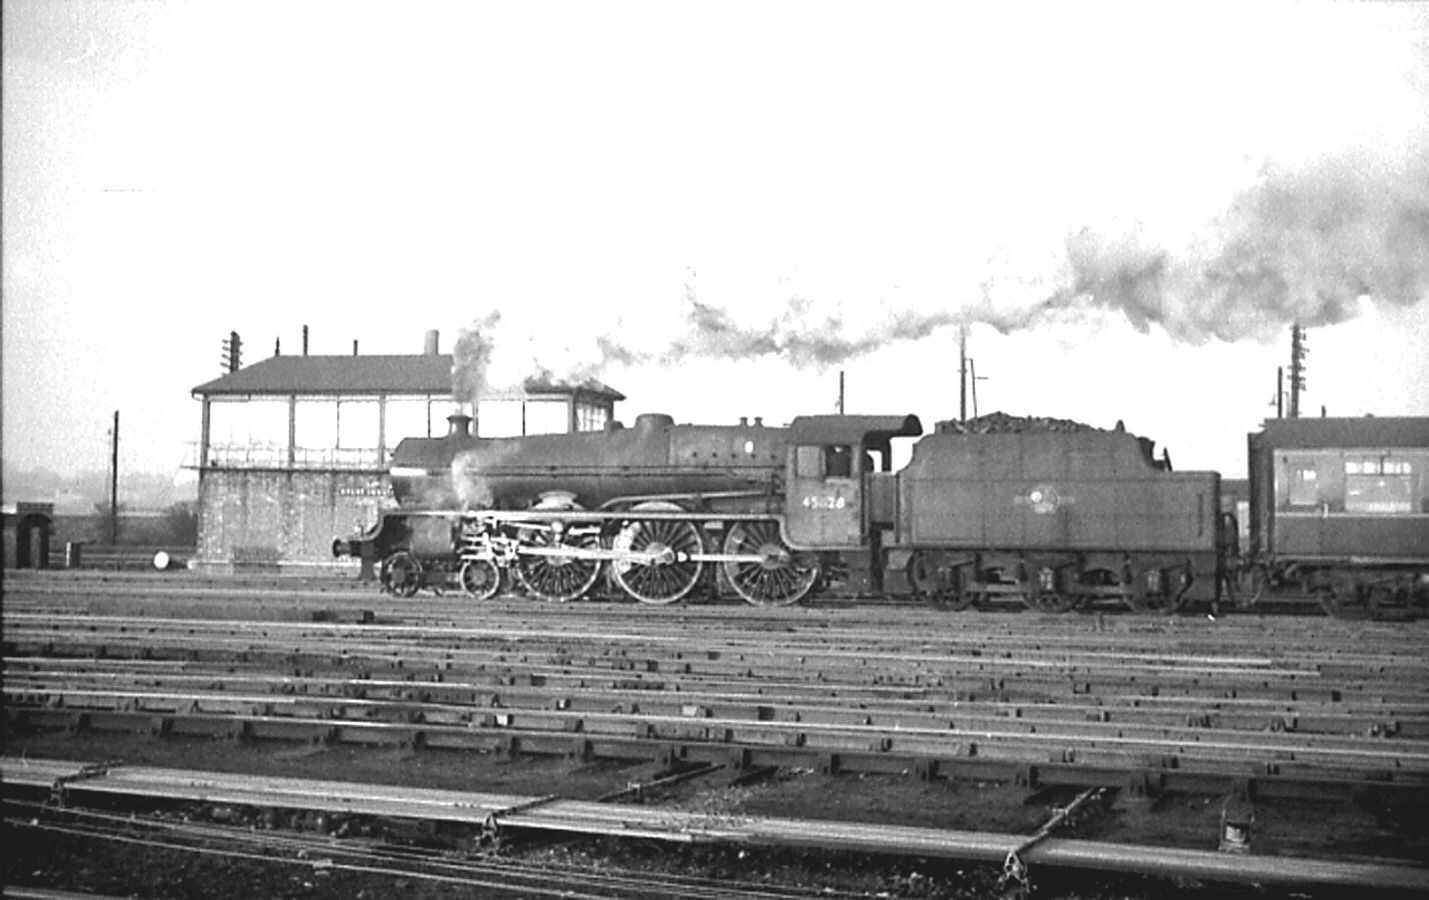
{"type": "Point", "coordinates": [837, 478]}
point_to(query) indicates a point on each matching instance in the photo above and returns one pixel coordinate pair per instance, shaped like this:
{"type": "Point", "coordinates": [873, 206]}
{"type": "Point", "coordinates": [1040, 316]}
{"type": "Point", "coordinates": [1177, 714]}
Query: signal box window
{"type": "Point", "coordinates": [828, 461]}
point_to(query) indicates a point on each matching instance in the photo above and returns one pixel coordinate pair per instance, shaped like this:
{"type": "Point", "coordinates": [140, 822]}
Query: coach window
{"type": "Point", "coordinates": [1304, 486]}
{"type": "Point", "coordinates": [1379, 486]}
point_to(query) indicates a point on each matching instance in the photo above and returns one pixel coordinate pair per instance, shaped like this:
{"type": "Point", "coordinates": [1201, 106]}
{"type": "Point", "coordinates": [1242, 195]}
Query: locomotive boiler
{"type": "Point", "coordinates": [652, 507]}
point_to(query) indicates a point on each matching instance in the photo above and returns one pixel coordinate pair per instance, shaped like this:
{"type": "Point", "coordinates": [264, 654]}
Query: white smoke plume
{"type": "Point", "coordinates": [1301, 246]}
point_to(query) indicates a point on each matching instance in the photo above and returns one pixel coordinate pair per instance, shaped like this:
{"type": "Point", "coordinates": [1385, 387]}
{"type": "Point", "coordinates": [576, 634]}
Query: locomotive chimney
{"type": "Point", "coordinates": [460, 425]}
{"type": "Point", "coordinates": [430, 343]}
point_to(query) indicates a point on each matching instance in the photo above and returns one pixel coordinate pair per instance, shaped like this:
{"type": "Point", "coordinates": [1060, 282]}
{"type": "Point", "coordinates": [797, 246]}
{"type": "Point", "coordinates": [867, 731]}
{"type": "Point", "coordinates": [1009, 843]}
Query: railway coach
{"type": "Point", "coordinates": [1339, 508]}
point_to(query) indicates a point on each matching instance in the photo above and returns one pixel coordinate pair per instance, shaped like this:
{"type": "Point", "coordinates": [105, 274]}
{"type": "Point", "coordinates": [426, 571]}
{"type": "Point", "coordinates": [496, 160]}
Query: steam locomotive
{"type": "Point", "coordinates": [1054, 518]}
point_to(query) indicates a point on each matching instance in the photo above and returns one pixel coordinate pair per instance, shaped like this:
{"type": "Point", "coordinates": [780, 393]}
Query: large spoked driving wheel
{"type": "Point", "coordinates": [401, 574]}
{"type": "Point", "coordinates": [781, 577]}
{"type": "Point", "coordinates": [481, 578]}
{"type": "Point", "coordinates": [557, 577]}
{"type": "Point", "coordinates": [664, 572]}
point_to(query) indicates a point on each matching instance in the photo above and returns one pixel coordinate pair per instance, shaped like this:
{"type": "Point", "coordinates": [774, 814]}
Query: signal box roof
{"type": "Point", "coordinates": [366, 376]}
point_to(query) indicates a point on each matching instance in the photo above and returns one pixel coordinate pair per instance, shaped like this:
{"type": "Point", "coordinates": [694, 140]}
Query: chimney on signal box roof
{"type": "Point", "coordinates": [460, 425]}
{"type": "Point", "coordinates": [431, 343]}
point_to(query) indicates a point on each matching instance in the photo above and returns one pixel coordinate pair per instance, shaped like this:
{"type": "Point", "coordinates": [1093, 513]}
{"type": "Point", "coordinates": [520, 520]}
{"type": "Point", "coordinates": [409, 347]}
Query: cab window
{"type": "Point", "coordinates": [824, 461]}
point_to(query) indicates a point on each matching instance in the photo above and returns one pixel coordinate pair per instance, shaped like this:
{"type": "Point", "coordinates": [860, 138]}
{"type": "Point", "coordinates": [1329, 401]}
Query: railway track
{"type": "Point", "coordinates": [818, 692]}
{"type": "Point", "coordinates": [1285, 710]}
{"type": "Point", "coordinates": [487, 816]}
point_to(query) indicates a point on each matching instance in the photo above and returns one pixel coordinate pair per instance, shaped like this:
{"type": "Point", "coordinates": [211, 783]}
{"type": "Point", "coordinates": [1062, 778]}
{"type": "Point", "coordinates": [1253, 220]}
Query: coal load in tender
{"type": "Point", "coordinates": [1002, 423]}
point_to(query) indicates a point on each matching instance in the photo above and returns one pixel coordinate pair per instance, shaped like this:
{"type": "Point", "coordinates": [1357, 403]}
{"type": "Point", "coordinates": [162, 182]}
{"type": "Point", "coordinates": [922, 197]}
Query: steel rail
{"type": "Point", "coordinates": [40, 674]}
{"type": "Point", "coordinates": [713, 663]}
{"type": "Point", "coordinates": [866, 725]}
{"type": "Point", "coordinates": [499, 884]}
{"type": "Point", "coordinates": [684, 827]}
{"type": "Point", "coordinates": [46, 631]}
{"type": "Point", "coordinates": [1408, 758]}
{"type": "Point", "coordinates": [348, 853]}
{"type": "Point", "coordinates": [349, 643]}
{"type": "Point", "coordinates": [974, 649]}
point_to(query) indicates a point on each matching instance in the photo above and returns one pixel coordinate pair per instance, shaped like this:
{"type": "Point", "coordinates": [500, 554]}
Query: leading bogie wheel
{"type": "Point", "coordinates": [667, 573]}
{"type": "Point", "coordinates": [481, 578]}
{"type": "Point", "coordinates": [781, 577]}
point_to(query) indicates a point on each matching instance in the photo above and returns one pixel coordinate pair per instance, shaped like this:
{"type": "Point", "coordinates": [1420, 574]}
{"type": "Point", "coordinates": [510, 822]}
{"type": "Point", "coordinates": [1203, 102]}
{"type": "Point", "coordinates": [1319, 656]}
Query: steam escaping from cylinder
{"type": "Point", "coordinates": [470, 488]}
{"type": "Point", "coordinates": [472, 470]}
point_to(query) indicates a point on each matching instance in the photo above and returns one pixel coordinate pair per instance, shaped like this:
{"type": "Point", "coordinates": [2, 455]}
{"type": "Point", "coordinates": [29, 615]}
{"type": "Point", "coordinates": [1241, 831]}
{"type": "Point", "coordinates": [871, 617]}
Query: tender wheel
{"type": "Point", "coordinates": [556, 578]}
{"type": "Point", "coordinates": [1158, 591]}
{"type": "Point", "coordinates": [671, 575]}
{"type": "Point", "coordinates": [781, 578]}
{"type": "Point", "coordinates": [1041, 592]}
{"type": "Point", "coordinates": [942, 588]}
{"type": "Point", "coordinates": [1343, 599]}
{"type": "Point", "coordinates": [1335, 605]}
{"type": "Point", "coordinates": [401, 574]}
{"type": "Point", "coordinates": [480, 578]}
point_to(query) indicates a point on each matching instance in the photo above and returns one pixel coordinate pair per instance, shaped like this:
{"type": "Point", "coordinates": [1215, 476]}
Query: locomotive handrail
{"type": "Point", "coordinates": [584, 516]}
{"type": "Point", "coordinates": [638, 556]}
{"type": "Point", "coordinates": [613, 502]}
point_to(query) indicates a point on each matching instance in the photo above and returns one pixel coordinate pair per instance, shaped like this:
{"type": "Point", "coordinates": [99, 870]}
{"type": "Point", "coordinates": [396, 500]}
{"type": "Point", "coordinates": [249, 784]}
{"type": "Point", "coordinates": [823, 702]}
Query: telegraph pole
{"type": "Point", "coordinates": [1297, 368]}
{"type": "Point", "coordinates": [114, 484]}
{"type": "Point", "coordinates": [962, 373]}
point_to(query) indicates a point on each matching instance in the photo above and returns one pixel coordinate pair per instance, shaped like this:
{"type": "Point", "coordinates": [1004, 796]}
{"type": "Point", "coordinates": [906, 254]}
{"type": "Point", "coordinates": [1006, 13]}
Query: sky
{"type": "Point", "coordinates": [717, 207]}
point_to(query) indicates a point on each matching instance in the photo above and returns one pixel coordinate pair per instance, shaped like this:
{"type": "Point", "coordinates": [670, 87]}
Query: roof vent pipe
{"type": "Point", "coordinates": [460, 425]}
{"type": "Point", "coordinates": [354, 347]}
{"type": "Point", "coordinates": [431, 342]}
{"type": "Point", "coordinates": [305, 340]}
